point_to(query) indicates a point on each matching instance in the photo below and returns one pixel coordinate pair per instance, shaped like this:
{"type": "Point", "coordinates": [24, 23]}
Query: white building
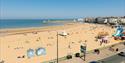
{"type": "Point", "coordinates": [102, 20]}
{"type": "Point", "coordinates": [80, 19]}
{"type": "Point", "coordinates": [122, 20]}
{"type": "Point", "coordinates": [106, 21]}
{"type": "Point", "coordinates": [113, 20]}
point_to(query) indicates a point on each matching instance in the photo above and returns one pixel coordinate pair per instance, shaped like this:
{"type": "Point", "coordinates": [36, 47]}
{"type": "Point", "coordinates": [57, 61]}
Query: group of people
{"type": "Point", "coordinates": [113, 49]}
{"type": "Point", "coordinates": [103, 39]}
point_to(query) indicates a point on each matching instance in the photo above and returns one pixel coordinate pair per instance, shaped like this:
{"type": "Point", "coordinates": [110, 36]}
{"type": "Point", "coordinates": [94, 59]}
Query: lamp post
{"type": "Point", "coordinates": [57, 49]}
{"type": "Point", "coordinates": [62, 34]}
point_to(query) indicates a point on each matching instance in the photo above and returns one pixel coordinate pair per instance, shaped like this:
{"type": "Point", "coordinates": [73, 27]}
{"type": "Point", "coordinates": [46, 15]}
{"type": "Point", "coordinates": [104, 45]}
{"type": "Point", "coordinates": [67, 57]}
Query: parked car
{"type": "Point", "coordinates": [121, 54]}
{"type": "Point", "coordinates": [94, 62]}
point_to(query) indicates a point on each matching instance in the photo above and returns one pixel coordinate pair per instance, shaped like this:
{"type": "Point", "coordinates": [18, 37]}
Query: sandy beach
{"type": "Point", "coordinates": [16, 42]}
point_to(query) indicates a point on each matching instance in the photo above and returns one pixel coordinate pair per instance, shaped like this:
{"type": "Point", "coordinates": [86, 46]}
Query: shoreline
{"type": "Point", "coordinates": [34, 29]}
{"type": "Point", "coordinates": [46, 22]}
{"type": "Point", "coordinates": [23, 28]}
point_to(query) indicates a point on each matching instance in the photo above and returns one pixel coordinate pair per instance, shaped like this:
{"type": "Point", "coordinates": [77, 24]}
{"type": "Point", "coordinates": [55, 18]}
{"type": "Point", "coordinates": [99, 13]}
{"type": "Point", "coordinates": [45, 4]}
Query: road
{"type": "Point", "coordinates": [114, 59]}
{"type": "Point", "coordinates": [110, 56]}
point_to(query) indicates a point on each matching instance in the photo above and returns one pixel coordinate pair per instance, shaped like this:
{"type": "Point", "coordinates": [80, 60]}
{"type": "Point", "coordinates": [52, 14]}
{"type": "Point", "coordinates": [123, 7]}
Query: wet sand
{"type": "Point", "coordinates": [15, 43]}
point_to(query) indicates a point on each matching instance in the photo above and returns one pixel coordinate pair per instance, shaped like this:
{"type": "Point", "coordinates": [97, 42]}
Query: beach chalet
{"type": "Point", "coordinates": [89, 20]}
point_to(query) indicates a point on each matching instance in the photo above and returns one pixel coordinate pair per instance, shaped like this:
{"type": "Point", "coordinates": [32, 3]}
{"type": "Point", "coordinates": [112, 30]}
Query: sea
{"type": "Point", "coordinates": [28, 23]}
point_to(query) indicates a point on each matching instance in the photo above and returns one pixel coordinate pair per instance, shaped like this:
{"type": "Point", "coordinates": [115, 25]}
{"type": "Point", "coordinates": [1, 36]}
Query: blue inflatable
{"type": "Point", "coordinates": [119, 32]}
{"type": "Point", "coordinates": [30, 53]}
{"type": "Point", "coordinates": [40, 51]}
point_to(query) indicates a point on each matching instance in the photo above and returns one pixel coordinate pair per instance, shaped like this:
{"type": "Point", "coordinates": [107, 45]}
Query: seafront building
{"type": "Point", "coordinates": [101, 20]}
{"type": "Point", "coordinates": [89, 20]}
{"type": "Point", "coordinates": [105, 20]}
{"type": "Point", "coordinates": [122, 20]}
{"type": "Point", "coordinates": [116, 20]}
{"type": "Point", "coordinates": [80, 20]}
{"type": "Point", "coordinates": [113, 20]}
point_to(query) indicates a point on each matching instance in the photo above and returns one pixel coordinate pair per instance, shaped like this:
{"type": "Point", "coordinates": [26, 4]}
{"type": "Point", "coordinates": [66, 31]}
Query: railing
{"type": "Point", "coordinates": [55, 60]}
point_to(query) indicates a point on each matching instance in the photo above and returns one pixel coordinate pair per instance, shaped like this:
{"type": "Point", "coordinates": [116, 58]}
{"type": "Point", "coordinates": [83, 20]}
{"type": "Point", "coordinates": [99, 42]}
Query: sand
{"type": "Point", "coordinates": [16, 42]}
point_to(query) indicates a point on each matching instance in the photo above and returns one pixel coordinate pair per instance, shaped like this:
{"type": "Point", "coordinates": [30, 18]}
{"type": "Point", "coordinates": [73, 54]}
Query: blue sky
{"type": "Point", "coordinates": [36, 9]}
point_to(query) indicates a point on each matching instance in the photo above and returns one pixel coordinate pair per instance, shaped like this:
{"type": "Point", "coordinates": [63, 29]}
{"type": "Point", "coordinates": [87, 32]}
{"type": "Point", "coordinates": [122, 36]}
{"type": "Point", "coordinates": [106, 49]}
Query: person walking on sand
{"type": "Point", "coordinates": [111, 48]}
{"type": "Point", "coordinates": [101, 41]}
{"type": "Point", "coordinates": [105, 39]}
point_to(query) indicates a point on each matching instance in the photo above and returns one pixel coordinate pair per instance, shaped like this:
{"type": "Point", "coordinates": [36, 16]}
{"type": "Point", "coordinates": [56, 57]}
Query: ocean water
{"type": "Point", "coordinates": [25, 23]}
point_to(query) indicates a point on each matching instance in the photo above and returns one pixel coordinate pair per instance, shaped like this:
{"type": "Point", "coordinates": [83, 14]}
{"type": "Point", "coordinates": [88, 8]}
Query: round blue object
{"type": "Point", "coordinates": [40, 51]}
{"type": "Point", "coordinates": [30, 53]}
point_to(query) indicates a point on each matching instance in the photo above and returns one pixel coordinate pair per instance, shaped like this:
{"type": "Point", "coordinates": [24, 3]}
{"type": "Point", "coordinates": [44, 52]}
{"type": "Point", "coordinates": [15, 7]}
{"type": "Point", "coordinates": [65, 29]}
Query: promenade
{"type": "Point", "coordinates": [104, 53]}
